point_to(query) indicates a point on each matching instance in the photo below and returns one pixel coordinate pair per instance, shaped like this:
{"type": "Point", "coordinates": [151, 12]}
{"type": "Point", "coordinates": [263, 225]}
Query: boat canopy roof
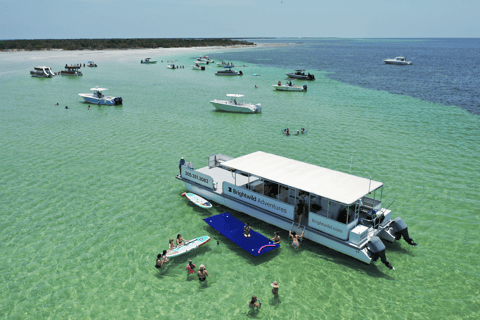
{"type": "Point", "coordinates": [98, 89]}
{"type": "Point", "coordinates": [335, 185]}
{"type": "Point", "coordinates": [235, 95]}
{"type": "Point", "coordinates": [299, 70]}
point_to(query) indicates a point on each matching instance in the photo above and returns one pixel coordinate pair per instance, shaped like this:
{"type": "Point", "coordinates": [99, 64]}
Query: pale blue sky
{"type": "Point", "coordinates": [60, 19]}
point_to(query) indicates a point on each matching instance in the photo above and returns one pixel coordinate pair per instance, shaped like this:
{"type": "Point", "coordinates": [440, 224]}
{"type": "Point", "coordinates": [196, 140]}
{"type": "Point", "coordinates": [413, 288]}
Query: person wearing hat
{"type": "Point", "coordinates": [274, 284]}
{"type": "Point", "coordinates": [182, 163]}
{"type": "Point", "coordinates": [202, 273]}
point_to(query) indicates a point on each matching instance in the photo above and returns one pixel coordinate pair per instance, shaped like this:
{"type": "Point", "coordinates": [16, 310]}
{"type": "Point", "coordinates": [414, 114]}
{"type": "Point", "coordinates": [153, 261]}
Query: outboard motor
{"type": "Point", "coordinates": [240, 72]}
{"type": "Point", "coordinates": [118, 101]}
{"type": "Point", "coordinates": [400, 229]}
{"type": "Point", "coordinates": [376, 247]}
{"type": "Point", "coordinates": [305, 87]}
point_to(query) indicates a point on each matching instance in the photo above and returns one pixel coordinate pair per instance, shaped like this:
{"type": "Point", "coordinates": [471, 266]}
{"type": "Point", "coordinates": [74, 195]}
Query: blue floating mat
{"type": "Point", "coordinates": [232, 228]}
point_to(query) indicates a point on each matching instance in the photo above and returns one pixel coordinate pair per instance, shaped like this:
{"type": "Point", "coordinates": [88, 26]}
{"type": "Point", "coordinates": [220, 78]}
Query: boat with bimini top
{"type": "Point", "coordinates": [233, 106]}
{"type": "Point", "coordinates": [97, 97]}
{"type": "Point", "coordinates": [300, 75]}
{"type": "Point", "coordinates": [148, 60]}
{"type": "Point", "coordinates": [338, 210]}
{"type": "Point", "coordinates": [42, 72]}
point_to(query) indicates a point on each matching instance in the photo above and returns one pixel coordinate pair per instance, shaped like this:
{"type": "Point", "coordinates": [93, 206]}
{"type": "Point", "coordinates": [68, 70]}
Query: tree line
{"type": "Point", "coordinates": [102, 44]}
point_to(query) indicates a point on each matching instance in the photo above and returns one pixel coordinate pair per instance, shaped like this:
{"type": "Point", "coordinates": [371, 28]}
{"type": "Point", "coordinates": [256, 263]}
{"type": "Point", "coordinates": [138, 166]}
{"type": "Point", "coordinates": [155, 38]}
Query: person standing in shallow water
{"type": "Point", "coordinates": [182, 163]}
{"type": "Point", "coordinates": [275, 289]}
{"type": "Point", "coordinates": [202, 273]}
{"type": "Point", "coordinates": [253, 303]}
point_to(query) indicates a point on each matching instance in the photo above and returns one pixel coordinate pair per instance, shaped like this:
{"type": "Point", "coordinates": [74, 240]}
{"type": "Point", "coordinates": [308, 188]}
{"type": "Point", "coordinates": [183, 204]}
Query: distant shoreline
{"type": "Point", "coordinates": [114, 44]}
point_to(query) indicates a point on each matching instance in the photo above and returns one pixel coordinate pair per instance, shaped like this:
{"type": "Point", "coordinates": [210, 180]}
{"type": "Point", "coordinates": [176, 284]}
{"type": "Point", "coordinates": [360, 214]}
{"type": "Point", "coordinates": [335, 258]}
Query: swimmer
{"type": "Point", "coordinates": [202, 273]}
{"type": "Point", "coordinates": [160, 261]}
{"type": "Point", "coordinates": [276, 238]}
{"type": "Point", "coordinates": [256, 87]}
{"type": "Point", "coordinates": [303, 130]}
{"type": "Point", "coordinates": [164, 256]}
{"type": "Point", "coordinates": [246, 230]}
{"type": "Point", "coordinates": [253, 303]}
{"type": "Point", "coordinates": [66, 107]}
{"type": "Point", "coordinates": [295, 238]}
{"type": "Point", "coordinates": [89, 107]}
{"type": "Point", "coordinates": [190, 267]}
{"type": "Point", "coordinates": [275, 288]}
{"type": "Point", "coordinates": [180, 240]}
{"type": "Point", "coordinates": [298, 132]}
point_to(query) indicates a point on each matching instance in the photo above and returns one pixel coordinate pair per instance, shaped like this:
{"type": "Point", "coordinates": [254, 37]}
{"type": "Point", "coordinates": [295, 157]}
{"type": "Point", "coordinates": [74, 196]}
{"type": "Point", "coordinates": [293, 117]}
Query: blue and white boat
{"type": "Point", "coordinates": [338, 210]}
{"type": "Point", "coordinates": [97, 97]}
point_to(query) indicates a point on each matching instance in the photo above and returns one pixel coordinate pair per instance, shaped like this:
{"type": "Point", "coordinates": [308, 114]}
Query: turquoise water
{"type": "Point", "coordinates": [88, 197]}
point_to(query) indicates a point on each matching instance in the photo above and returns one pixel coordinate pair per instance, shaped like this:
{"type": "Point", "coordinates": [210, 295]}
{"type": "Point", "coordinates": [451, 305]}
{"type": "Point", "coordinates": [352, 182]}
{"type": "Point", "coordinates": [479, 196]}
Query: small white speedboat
{"type": "Point", "coordinates": [97, 97]}
{"type": "Point", "coordinates": [401, 61]}
{"type": "Point", "coordinates": [42, 72]}
{"type": "Point", "coordinates": [233, 106]}
{"type": "Point", "coordinates": [289, 87]}
{"type": "Point", "coordinates": [229, 72]}
{"type": "Point", "coordinates": [172, 66]}
{"type": "Point", "coordinates": [148, 60]}
{"type": "Point", "coordinates": [300, 75]}
{"type": "Point", "coordinates": [196, 66]}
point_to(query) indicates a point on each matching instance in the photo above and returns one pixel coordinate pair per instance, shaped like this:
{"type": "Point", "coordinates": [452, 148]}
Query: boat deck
{"type": "Point", "coordinates": [220, 175]}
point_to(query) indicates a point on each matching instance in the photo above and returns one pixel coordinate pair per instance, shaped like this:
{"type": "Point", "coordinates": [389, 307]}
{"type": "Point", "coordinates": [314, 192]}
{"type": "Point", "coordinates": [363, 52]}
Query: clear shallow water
{"type": "Point", "coordinates": [88, 197]}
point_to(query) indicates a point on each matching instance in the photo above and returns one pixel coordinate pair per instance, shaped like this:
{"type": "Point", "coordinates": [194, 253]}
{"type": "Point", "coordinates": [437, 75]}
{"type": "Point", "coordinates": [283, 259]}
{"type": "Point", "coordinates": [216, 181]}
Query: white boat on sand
{"type": "Point", "coordinates": [42, 72]}
{"type": "Point", "coordinates": [338, 210]}
{"type": "Point", "coordinates": [233, 106]}
{"type": "Point", "coordinates": [97, 97]}
{"type": "Point", "coordinates": [401, 61]}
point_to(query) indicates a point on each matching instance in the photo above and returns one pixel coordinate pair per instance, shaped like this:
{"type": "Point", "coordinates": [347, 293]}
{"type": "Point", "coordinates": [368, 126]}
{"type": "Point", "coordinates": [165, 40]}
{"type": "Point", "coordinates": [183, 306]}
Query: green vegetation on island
{"type": "Point", "coordinates": [102, 44]}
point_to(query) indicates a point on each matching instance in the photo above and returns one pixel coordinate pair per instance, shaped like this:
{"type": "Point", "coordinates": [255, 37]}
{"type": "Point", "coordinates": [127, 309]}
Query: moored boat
{"type": "Point", "coordinates": [289, 87]}
{"type": "Point", "coordinates": [229, 72]}
{"type": "Point", "coordinates": [233, 106]}
{"type": "Point", "coordinates": [97, 97]}
{"type": "Point", "coordinates": [42, 72]}
{"type": "Point", "coordinates": [91, 64]}
{"type": "Point", "coordinates": [401, 61]}
{"type": "Point", "coordinates": [300, 75]}
{"type": "Point", "coordinates": [72, 70]}
{"type": "Point", "coordinates": [148, 60]}
{"type": "Point", "coordinates": [339, 210]}
{"type": "Point", "coordinates": [196, 66]}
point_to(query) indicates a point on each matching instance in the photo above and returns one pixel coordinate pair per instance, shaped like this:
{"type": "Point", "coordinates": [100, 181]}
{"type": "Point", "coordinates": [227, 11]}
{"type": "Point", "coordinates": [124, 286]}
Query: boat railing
{"type": "Point", "coordinates": [216, 159]}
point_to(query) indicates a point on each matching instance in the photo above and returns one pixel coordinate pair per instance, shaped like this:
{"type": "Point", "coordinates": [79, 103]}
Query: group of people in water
{"type": "Point", "coordinates": [276, 238]}
{"type": "Point", "coordinates": [301, 131]}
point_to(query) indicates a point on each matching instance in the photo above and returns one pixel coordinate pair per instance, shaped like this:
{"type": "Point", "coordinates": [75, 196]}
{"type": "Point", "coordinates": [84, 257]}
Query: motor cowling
{"type": "Point", "coordinates": [400, 229]}
{"type": "Point", "coordinates": [377, 249]}
{"type": "Point", "coordinates": [305, 87]}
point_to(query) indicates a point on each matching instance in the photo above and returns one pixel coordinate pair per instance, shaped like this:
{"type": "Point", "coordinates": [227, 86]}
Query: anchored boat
{"type": "Point", "coordinates": [73, 70]}
{"type": "Point", "coordinates": [289, 87]}
{"type": "Point", "coordinates": [398, 61]}
{"type": "Point", "coordinates": [233, 106]}
{"type": "Point", "coordinates": [97, 97]}
{"type": "Point", "coordinates": [148, 60]}
{"type": "Point", "coordinates": [42, 72]}
{"type": "Point", "coordinates": [300, 75]}
{"type": "Point", "coordinates": [338, 210]}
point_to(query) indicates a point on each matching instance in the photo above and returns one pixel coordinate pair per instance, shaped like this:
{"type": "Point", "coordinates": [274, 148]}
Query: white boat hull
{"type": "Point", "coordinates": [399, 63]}
{"type": "Point", "coordinates": [290, 88]}
{"type": "Point", "coordinates": [109, 101]}
{"type": "Point", "coordinates": [227, 106]}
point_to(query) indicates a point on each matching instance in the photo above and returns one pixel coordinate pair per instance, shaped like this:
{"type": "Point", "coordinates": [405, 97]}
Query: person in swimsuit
{"type": "Point", "coordinates": [171, 245]}
{"type": "Point", "coordinates": [276, 238]}
{"type": "Point", "coordinates": [295, 238]}
{"type": "Point", "coordinates": [202, 273]}
{"type": "Point", "coordinates": [253, 303]}
{"type": "Point", "coordinates": [190, 267]}
{"type": "Point", "coordinates": [164, 256]}
{"type": "Point", "coordinates": [180, 240]}
{"type": "Point", "coordinates": [275, 289]}
{"type": "Point", "coordinates": [300, 209]}
{"type": "Point", "coordinates": [159, 263]}
{"type": "Point", "coordinates": [246, 230]}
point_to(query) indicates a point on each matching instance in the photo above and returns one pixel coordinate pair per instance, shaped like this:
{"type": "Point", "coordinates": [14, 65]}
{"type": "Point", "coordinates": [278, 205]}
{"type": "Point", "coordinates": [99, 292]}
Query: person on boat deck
{"type": "Point", "coordinates": [253, 303]}
{"type": "Point", "coordinates": [182, 163]}
{"type": "Point", "coordinates": [202, 273]}
{"type": "Point", "coordinates": [300, 209]}
{"type": "Point", "coordinates": [295, 238]}
{"type": "Point", "coordinates": [171, 245]}
{"type": "Point", "coordinates": [276, 237]}
{"type": "Point", "coordinates": [246, 230]}
{"type": "Point", "coordinates": [190, 267]}
{"type": "Point", "coordinates": [279, 83]}
{"type": "Point", "coordinates": [290, 83]}
{"type": "Point", "coordinates": [180, 240]}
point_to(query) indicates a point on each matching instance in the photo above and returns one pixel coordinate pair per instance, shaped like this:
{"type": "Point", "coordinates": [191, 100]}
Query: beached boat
{"type": "Point", "coordinates": [229, 72]}
{"type": "Point", "coordinates": [148, 60]}
{"type": "Point", "coordinates": [341, 211]}
{"type": "Point", "coordinates": [42, 72]}
{"type": "Point", "coordinates": [196, 66]}
{"type": "Point", "coordinates": [73, 70]}
{"type": "Point", "coordinates": [97, 97]}
{"type": "Point", "coordinates": [398, 61]}
{"type": "Point", "coordinates": [300, 75]}
{"type": "Point", "coordinates": [233, 106]}
{"type": "Point", "coordinates": [289, 87]}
